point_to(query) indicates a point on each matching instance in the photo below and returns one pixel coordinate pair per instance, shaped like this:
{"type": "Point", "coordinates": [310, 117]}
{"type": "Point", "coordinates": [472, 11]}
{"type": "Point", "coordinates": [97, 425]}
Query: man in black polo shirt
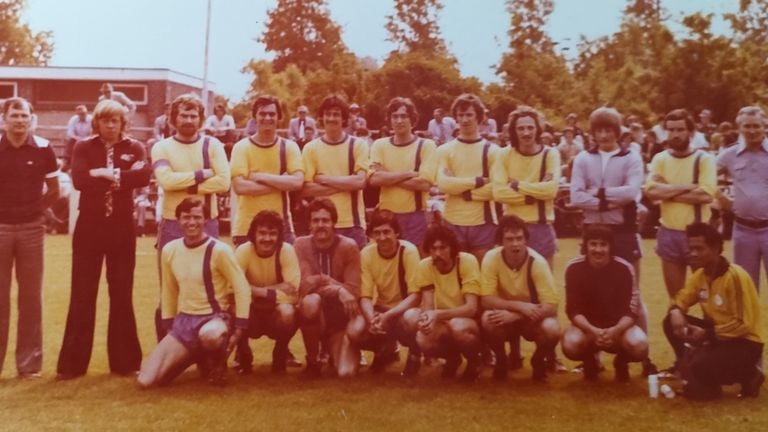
{"type": "Point", "coordinates": [26, 164]}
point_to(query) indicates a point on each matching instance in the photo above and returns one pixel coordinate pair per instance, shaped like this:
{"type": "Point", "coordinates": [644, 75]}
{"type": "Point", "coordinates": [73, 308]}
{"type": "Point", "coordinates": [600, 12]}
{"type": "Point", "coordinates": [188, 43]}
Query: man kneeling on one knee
{"type": "Point", "coordinates": [200, 276]}
{"type": "Point", "coordinates": [602, 302]}
{"type": "Point", "coordinates": [725, 346]}
{"type": "Point", "coordinates": [519, 298]}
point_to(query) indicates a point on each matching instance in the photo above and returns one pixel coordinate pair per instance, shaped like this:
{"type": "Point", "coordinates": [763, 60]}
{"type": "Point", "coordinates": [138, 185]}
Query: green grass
{"type": "Point", "coordinates": [261, 401]}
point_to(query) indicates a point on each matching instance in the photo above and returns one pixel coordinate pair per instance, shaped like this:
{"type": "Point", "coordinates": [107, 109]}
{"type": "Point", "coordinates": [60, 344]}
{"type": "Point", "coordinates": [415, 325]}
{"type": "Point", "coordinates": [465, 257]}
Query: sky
{"type": "Point", "coordinates": [171, 33]}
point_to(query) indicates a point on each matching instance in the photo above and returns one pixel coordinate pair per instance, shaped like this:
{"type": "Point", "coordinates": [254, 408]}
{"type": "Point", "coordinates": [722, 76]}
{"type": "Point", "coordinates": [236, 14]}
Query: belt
{"type": "Point", "coordinates": [751, 223]}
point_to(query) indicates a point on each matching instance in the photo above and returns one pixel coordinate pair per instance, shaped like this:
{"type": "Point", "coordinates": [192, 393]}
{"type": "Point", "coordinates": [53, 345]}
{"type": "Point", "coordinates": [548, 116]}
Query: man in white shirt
{"type": "Point", "coordinates": [222, 126]}
{"type": "Point", "coordinates": [441, 127]}
{"type": "Point", "coordinates": [78, 128]}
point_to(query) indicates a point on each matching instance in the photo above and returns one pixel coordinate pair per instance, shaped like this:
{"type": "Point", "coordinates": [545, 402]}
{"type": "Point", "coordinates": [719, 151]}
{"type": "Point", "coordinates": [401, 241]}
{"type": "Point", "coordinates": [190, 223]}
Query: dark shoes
{"type": "Point", "coordinates": [412, 365]}
{"type": "Point", "coordinates": [751, 388]}
{"type": "Point", "coordinates": [621, 368]}
{"type": "Point", "coordinates": [382, 360]}
{"type": "Point", "coordinates": [452, 363]}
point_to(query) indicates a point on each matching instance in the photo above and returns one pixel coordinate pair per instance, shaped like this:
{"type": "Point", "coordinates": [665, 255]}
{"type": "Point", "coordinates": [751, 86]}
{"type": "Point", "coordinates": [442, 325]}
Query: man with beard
{"type": "Point", "coordinates": [403, 166]}
{"type": "Point", "coordinates": [747, 165]}
{"type": "Point", "coordinates": [335, 167]}
{"type": "Point", "coordinates": [388, 290]}
{"type": "Point", "coordinates": [445, 325]}
{"type": "Point", "coordinates": [27, 165]}
{"type": "Point", "coordinates": [185, 165]}
{"type": "Point", "coordinates": [201, 279]}
{"type": "Point", "coordinates": [606, 184]}
{"type": "Point", "coordinates": [684, 180]}
{"type": "Point", "coordinates": [518, 298]}
{"type": "Point", "coordinates": [106, 168]}
{"type": "Point", "coordinates": [272, 270]}
{"type": "Point", "coordinates": [725, 346]}
{"type": "Point", "coordinates": [463, 174]}
{"type": "Point", "coordinates": [602, 302]}
{"type": "Point", "coordinates": [329, 290]}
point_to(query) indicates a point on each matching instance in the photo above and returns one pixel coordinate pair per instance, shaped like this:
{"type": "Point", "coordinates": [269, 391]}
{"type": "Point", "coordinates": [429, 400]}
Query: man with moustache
{"type": "Point", "coordinates": [403, 166]}
{"type": "Point", "coordinates": [272, 270]}
{"type": "Point", "coordinates": [602, 302]}
{"type": "Point", "coordinates": [329, 290]}
{"type": "Point", "coordinates": [185, 165]}
{"type": "Point", "coordinates": [685, 181]}
{"type": "Point", "coordinates": [606, 184]}
{"type": "Point", "coordinates": [27, 165]}
{"type": "Point", "coordinates": [518, 298]}
{"type": "Point", "coordinates": [106, 168]}
{"type": "Point", "coordinates": [202, 287]}
{"type": "Point", "coordinates": [725, 346]}
{"type": "Point", "coordinates": [336, 166]}
{"type": "Point", "coordinates": [746, 164]}
{"type": "Point", "coordinates": [444, 324]}
{"type": "Point", "coordinates": [463, 174]}
{"type": "Point", "coordinates": [388, 290]}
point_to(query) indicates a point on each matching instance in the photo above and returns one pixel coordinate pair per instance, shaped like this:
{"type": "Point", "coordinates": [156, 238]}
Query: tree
{"type": "Point", "coordinates": [301, 32]}
{"type": "Point", "coordinates": [414, 26]}
{"type": "Point", "coordinates": [19, 45]}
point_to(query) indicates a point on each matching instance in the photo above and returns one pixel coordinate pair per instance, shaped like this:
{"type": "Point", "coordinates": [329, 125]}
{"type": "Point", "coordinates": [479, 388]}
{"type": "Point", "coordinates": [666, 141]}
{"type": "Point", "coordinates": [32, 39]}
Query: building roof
{"type": "Point", "coordinates": [99, 74]}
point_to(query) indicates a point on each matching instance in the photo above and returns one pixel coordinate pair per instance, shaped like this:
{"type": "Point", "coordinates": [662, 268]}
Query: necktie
{"type": "Point", "coordinates": [301, 130]}
{"type": "Point", "coordinates": [108, 194]}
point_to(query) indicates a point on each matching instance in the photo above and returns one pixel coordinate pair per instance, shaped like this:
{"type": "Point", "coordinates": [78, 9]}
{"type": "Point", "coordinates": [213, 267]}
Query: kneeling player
{"type": "Point", "coordinates": [199, 277]}
{"type": "Point", "coordinates": [272, 270]}
{"type": "Point", "coordinates": [445, 324]}
{"type": "Point", "coordinates": [519, 298]}
{"type": "Point", "coordinates": [388, 290]}
{"type": "Point", "coordinates": [329, 290]}
{"type": "Point", "coordinates": [603, 302]}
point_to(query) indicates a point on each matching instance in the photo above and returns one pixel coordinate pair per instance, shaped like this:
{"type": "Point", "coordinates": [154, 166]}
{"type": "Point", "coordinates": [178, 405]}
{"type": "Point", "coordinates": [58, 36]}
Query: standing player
{"type": "Point", "coordinates": [335, 167]}
{"type": "Point", "coordinates": [200, 279]}
{"type": "Point", "coordinates": [388, 289]}
{"type": "Point", "coordinates": [445, 325]}
{"type": "Point", "coordinates": [684, 180]}
{"type": "Point", "coordinates": [329, 291]}
{"type": "Point", "coordinates": [188, 164]}
{"type": "Point", "coordinates": [265, 168]}
{"type": "Point", "coordinates": [106, 168]}
{"type": "Point", "coordinates": [272, 270]}
{"type": "Point", "coordinates": [463, 174]}
{"type": "Point", "coordinates": [519, 298]}
{"type": "Point", "coordinates": [403, 166]}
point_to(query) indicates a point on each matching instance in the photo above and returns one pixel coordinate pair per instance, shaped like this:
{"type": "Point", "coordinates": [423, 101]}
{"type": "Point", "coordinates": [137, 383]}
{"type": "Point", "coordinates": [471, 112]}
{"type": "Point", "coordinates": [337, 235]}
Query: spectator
{"type": "Point", "coordinates": [108, 92]}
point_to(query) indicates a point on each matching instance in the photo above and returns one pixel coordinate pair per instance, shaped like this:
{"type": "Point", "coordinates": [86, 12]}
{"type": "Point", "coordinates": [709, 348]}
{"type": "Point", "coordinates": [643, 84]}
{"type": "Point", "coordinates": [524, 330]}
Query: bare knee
{"type": "Point", "coordinates": [574, 343]}
{"type": "Point", "coordinates": [357, 329]}
{"type": "Point", "coordinates": [285, 317]}
{"type": "Point", "coordinates": [310, 306]}
{"type": "Point", "coordinates": [550, 330]}
{"type": "Point", "coordinates": [410, 320]}
{"type": "Point", "coordinates": [464, 330]}
{"type": "Point", "coordinates": [635, 343]}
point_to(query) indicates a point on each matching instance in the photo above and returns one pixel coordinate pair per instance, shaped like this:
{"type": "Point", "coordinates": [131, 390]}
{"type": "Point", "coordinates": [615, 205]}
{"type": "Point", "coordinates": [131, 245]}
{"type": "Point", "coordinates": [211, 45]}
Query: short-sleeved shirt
{"type": "Point", "coordinates": [272, 270]}
{"type": "Point", "coordinates": [336, 159]}
{"type": "Point", "coordinates": [23, 171]}
{"type": "Point", "coordinates": [532, 278]}
{"type": "Point", "coordinates": [451, 287]}
{"type": "Point", "coordinates": [281, 157]}
{"type": "Point", "coordinates": [404, 158]}
{"type": "Point", "coordinates": [386, 279]}
{"type": "Point", "coordinates": [681, 170]}
{"type": "Point", "coordinates": [749, 173]}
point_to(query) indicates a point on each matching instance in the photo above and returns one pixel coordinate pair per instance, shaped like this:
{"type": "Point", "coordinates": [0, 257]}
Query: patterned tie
{"type": "Point", "coordinates": [108, 195]}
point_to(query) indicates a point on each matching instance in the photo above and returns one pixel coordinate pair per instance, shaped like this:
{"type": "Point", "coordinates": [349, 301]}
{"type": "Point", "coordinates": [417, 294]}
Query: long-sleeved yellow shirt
{"type": "Point", "coordinates": [730, 301]}
{"type": "Point", "coordinates": [459, 170]}
{"type": "Point", "coordinates": [403, 158]}
{"type": "Point", "coordinates": [203, 279]}
{"type": "Point", "coordinates": [263, 271]}
{"type": "Point", "coordinates": [178, 168]}
{"type": "Point", "coordinates": [533, 200]}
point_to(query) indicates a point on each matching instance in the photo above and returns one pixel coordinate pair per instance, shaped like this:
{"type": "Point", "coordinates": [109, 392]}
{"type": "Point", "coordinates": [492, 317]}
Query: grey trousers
{"type": "Point", "coordinates": [21, 248]}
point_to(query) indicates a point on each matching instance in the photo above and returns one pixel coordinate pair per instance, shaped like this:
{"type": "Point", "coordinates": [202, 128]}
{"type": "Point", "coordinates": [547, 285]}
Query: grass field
{"type": "Point", "coordinates": [101, 401]}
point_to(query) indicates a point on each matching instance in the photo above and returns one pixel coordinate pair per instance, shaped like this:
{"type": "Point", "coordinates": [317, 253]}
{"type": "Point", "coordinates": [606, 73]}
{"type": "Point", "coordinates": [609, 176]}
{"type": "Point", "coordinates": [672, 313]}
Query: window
{"type": "Point", "coordinates": [7, 89]}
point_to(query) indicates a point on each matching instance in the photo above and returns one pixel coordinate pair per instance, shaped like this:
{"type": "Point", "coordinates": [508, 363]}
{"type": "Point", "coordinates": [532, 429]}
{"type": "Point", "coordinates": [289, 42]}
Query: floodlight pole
{"type": "Point", "coordinates": [205, 57]}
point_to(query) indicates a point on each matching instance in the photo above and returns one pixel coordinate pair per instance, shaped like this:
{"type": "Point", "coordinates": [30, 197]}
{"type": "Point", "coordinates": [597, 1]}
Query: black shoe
{"type": "Point", "coordinates": [218, 376]}
{"type": "Point", "coordinates": [243, 369]}
{"type": "Point", "coordinates": [539, 365]}
{"type": "Point", "coordinates": [61, 376]}
{"type": "Point", "coordinates": [751, 388]}
{"type": "Point", "coordinates": [452, 364]}
{"type": "Point", "coordinates": [669, 373]}
{"type": "Point", "coordinates": [279, 358]}
{"type": "Point", "coordinates": [515, 363]}
{"type": "Point", "coordinates": [500, 370]}
{"type": "Point", "coordinates": [412, 366]}
{"type": "Point", "coordinates": [621, 368]}
{"type": "Point", "coordinates": [590, 368]}
{"type": "Point", "coordinates": [313, 370]}
{"type": "Point", "coordinates": [382, 360]}
{"type": "Point", "coordinates": [554, 365]}
{"type": "Point", "coordinates": [649, 368]}
{"type": "Point", "coordinates": [473, 369]}
{"type": "Point", "coordinates": [292, 361]}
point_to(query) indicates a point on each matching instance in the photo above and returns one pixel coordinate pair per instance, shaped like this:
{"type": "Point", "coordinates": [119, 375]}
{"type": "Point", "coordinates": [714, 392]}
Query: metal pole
{"type": "Point", "coordinates": [205, 58]}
